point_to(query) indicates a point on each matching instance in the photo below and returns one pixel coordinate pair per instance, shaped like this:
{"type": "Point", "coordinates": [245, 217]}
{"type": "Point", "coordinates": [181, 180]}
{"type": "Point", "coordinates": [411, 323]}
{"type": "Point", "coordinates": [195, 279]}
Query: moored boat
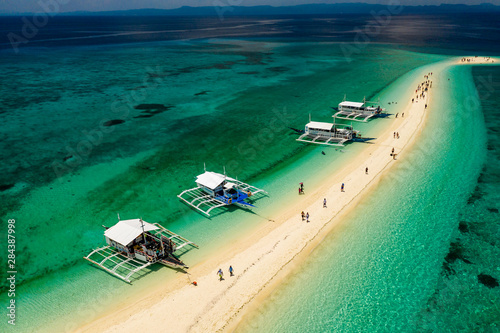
{"type": "Point", "coordinates": [216, 190]}
{"type": "Point", "coordinates": [133, 245]}
{"type": "Point", "coordinates": [330, 134]}
{"type": "Point", "coordinates": [358, 111]}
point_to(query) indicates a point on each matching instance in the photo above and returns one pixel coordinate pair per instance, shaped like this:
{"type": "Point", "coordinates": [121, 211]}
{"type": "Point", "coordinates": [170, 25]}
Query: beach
{"type": "Point", "coordinates": [263, 258]}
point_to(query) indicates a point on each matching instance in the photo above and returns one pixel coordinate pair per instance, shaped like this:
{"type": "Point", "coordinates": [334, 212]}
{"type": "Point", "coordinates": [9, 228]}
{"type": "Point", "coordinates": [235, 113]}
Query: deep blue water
{"type": "Point", "coordinates": [454, 33]}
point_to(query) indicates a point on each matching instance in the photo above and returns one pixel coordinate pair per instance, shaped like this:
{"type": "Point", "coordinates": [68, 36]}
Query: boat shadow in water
{"type": "Point", "coordinates": [296, 131]}
{"type": "Point", "coordinates": [150, 269]}
{"type": "Point", "coordinates": [234, 207]}
{"type": "Point", "coordinates": [363, 140]}
{"type": "Point", "coordinates": [250, 211]}
{"type": "Point", "coordinates": [384, 115]}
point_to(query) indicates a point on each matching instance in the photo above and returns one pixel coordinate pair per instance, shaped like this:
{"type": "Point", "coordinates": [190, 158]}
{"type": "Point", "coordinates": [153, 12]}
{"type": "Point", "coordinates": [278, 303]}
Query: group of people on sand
{"type": "Point", "coordinates": [220, 273]}
{"type": "Point", "coordinates": [422, 88]}
{"type": "Point", "coordinates": [466, 59]}
{"type": "Point", "coordinates": [301, 188]}
{"type": "Point", "coordinates": [393, 154]}
{"type": "Point", "coordinates": [305, 216]}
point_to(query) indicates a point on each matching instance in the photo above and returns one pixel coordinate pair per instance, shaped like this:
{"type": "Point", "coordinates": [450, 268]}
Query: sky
{"type": "Point", "coordinates": [17, 6]}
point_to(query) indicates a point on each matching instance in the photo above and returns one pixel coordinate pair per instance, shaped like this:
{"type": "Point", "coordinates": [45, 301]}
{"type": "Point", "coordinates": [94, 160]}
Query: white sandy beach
{"type": "Point", "coordinates": [263, 258]}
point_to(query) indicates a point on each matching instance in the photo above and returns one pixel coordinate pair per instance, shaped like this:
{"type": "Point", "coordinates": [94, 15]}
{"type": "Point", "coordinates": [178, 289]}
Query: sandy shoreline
{"type": "Point", "coordinates": [268, 254]}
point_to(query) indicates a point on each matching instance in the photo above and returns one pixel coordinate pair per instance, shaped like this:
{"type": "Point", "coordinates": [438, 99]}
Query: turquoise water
{"type": "Point", "coordinates": [82, 148]}
{"type": "Point", "coordinates": [462, 301]}
{"type": "Point", "coordinates": [381, 269]}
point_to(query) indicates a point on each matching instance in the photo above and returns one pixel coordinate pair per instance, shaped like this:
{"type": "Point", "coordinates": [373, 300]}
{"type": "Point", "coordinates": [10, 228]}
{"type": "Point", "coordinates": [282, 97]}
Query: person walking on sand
{"type": "Point", "coordinates": [221, 274]}
{"type": "Point", "coordinates": [397, 134]}
{"type": "Point", "coordinates": [303, 216]}
{"type": "Point", "coordinates": [392, 151]}
{"type": "Point", "coordinates": [366, 170]}
{"type": "Point", "coordinates": [403, 115]}
{"type": "Point", "coordinates": [342, 188]}
{"type": "Point", "coordinates": [231, 270]}
{"type": "Point", "coordinates": [324, 203]}
{"type": "Point", "coordinates": [307, 217]}
{"type": "Point", "coordinates": [394, 135]}
{"type": "Point", "coordinates": [397, 114]}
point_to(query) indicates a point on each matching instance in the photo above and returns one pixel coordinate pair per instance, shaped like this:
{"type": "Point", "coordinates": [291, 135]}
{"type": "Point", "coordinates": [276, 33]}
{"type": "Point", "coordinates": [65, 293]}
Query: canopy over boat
{"type": "Point", "coordinates": [351, 104]}
{"type": "Point", "coordinates": [320, 125]}
{"type": "Point", "coordinates": [210, 179]}
{"type": "Point", "coordinates": [229, 185]}
{"type": "Point", "coordinates": [124, 232]}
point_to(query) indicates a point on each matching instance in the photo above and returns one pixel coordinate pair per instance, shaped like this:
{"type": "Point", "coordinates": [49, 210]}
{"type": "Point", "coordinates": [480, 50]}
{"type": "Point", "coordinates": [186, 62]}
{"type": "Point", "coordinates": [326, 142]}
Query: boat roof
{"type": "Point", "coordinates": [320, 125]}
{"type": "Point", "coordinates": [229, 185]}
{"type": "Point", "coordinates": [352, 104]}
{"type": "Point", "coordinates": [126, 231]}
{"type": "Point", "coordinates": [210, 179]}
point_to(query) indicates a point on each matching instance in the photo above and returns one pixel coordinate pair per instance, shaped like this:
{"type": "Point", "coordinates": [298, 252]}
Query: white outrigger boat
{"type": "Point", "coordinates": [134, 245]}
{"type": "Point", "coordinates": [330, 134]}
{"type": "Point", "coordinates": [216, 190]}
{"type": "Point", "coordinates": [358, 111]}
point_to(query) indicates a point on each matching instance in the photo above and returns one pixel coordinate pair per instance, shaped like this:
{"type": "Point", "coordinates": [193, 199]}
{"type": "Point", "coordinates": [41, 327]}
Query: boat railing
{"type": "Point", "coordinates": [116, 262]}
{"type": "Point", "coordinates": [336, 134]}
{"type": "Point", "coordinates": [179, 240]}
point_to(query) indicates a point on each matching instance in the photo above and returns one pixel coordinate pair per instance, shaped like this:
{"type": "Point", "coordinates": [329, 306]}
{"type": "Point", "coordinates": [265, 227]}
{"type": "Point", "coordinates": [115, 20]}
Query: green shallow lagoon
{"type": "Point", "coordinates": [219, 100]}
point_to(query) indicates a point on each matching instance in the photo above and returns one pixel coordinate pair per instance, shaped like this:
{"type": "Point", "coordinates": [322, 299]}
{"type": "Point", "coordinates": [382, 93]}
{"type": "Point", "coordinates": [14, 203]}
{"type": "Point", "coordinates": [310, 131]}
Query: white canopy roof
{"type": "Point", "coordinates": [319, 125]}
{"type": "Point", "coordinates": [352, 104]}
{"type": "Point", "coordinates": [210, 179]}
{"type": "Point", "coordinates": [229, 185]}
{"type": "Point", "coordinates": [126, 231]}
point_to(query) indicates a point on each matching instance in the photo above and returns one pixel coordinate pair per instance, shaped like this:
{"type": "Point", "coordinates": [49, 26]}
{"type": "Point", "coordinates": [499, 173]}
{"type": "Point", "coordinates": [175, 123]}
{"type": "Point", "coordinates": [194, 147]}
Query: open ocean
{"type": "Point", "coordinates": [107, 115]}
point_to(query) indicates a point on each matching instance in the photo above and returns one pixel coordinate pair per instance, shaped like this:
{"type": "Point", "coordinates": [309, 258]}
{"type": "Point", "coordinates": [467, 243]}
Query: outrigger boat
{"type": "Point", "coordinates": [216, 190]}
{"type": "Point", "coordinates": [330, 134]}
{"type": "Point", "coordinates": [133, 245]}
{"type": "Point", "coordinates": [358, 111]}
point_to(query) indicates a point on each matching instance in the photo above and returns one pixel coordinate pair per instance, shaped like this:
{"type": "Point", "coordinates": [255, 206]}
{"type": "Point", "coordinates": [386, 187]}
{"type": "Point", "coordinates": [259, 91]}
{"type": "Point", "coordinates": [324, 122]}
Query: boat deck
{"type": "Point", "coordinates": [180, 242]}
{"type": "Point", "coordinates": [322, 140]}
{"type": "Point", "coordinates": [200, 200]}
{"type": "Point", "coordinates": [116, 262]}
{"type": "Point", "coordinates": [356, 116]}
